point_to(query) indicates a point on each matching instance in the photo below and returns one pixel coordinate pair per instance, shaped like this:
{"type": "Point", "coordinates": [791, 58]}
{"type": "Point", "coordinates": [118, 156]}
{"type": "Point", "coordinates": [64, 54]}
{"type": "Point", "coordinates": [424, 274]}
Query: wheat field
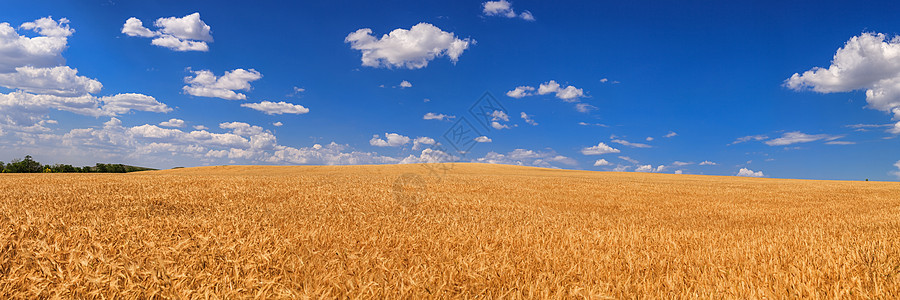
{"type": "Point", "coordinates": [444, 231]}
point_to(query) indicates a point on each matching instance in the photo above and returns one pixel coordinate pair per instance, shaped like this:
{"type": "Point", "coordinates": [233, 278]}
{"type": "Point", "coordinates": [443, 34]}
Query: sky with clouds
{"type": "Point", "coordinates": [748, 88]}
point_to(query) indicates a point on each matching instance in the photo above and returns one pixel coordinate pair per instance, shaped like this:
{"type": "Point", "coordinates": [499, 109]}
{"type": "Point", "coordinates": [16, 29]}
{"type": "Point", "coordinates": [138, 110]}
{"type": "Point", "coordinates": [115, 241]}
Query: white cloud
{"type": "Point", "coordinates": [20, 109]}
{"type": "Point", "coordinates": [439, 117]}
{"type": "Point", "coordinates": [649, 139]}
{"type": "Point", "coordinates": [504, 8]}
{"type": "Point", "coordinates": [840, 143]}
{"type": "Point", "coordinates": [897, 173]}
{"type": "Point", "coordinates": [423, 140]}
{"type": "Point", "coordinates": [679, 172]}
{"type": "Point", "coordinates": [629, 159]}
{"type": "Point", "coordinates": [621, 168]}
{"type": "Point", "coordinates": [498, 115]}
{"type": "Point", "coordinates": [520, 92]}
{"type": "Point", "coordinates": [405, 84]}
{"type": "Point", "coordinates": [592, 124]}
{"type": "Point", "coordinates": [671, 134]}
{"type": "Point", "coordinates": [708, 163]}
{"type": "Point", "coordinates": [749, 173]}
{"type": "Point", "coordinates": [649, 168]}
{"type": "Point", "coordinates": [135, 27]}
{"type": "Point", "coordinates": [430, 155]}
{"type": "Point", "coordinates": [412, 48]}
{"type": "Point", "coordinates": [390, 140]}
{"type": "Point", "coordinates": [630, 144]}
{"type": "Point", "coordinates": [795, 137]}
{"type": "Point", "coordinates": [748, 138]}
{"type": "Point", "coordinates": [171, 42]}
{"type": "Point", "coordinates": [277, 108]}
{"type": "Point", "coordinates": [189, 27]}
{"type": "Point", "coordinates": [296, 91]}
{"type": "Point", "coordinates": [601, 148]}
{"type": "Point", "coordinates": [206, 84]}
{"type": "Point", "coordinates": [162, 147]}
{"type": "Point", "coordinates": [188, 33]}
{"type": "Point", "coordinates": [601, 162]}
{"type": "Point", "coordinates": [277, 124]}
{"type": "Point", "coordinates": [584, 107]}
{"type": "Point", "coordinates": [60, 81]}
{"type": "Point", "coordinates": [528, 119]}
{"type": "Point", "coordinates": [568, 94]}
{"type": "Point", "coordinates": [680, 163]}
{"type": "Point", "coordinates": [37, 52]}
{"type": "Point", "coordinates": [200, 127]}
{"type": "Point", "coordinates": [527, 16]}
{"type": "Point", "coordinates": [524, 157]}
{"type": "Point", "coordinates": [177, 123]}
{"type": "Point", "coordinates": [869, 61]}
{"type": "Point", "coordinates": [483, 139]}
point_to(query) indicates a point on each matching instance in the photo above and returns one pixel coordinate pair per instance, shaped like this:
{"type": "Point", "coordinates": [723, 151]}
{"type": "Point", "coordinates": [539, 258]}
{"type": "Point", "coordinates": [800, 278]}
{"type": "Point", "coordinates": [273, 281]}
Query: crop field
{"type": "Point", "coordinates": [444, 231]}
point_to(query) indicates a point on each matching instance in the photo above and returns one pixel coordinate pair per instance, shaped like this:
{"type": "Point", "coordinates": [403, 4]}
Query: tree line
{"type": "Point", "coordinates": [29, 165]}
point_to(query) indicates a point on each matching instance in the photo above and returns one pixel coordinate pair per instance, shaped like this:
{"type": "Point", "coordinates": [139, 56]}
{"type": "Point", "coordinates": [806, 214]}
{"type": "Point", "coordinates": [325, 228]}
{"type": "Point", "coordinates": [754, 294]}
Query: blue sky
{"type": "Point", "coordinates": [642, 85]}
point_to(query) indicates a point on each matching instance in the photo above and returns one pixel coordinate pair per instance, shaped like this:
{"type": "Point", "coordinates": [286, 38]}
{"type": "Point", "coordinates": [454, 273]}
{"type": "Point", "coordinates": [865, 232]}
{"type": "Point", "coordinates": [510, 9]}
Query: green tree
{"type": "Point", "coordinates": [27, 165]}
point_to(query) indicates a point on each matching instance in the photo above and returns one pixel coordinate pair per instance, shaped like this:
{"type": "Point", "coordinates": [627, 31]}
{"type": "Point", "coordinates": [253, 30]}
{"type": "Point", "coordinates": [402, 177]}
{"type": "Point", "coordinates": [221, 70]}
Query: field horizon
{"type": "Point", "coordinates": [444, 230]}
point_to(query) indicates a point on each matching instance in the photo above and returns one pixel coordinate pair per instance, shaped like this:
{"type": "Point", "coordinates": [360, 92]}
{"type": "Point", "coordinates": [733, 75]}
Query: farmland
{"type": "Point", "coordinates": [459, 230]}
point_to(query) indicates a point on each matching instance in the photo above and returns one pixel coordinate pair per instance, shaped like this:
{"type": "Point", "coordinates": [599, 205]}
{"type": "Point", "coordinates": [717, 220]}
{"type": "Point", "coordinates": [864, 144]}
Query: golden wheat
{"type": "Point", "coordinates": [438, 231]}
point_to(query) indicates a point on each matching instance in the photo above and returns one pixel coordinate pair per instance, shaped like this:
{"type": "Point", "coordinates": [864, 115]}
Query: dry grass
{"type": "Point", "coordinates": [478, 230]}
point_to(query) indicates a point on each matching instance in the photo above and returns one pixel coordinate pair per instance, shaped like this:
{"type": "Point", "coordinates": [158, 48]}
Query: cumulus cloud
{"type": "Point", "coordinates": [439, 117]}
{"type": "Point", "coordinates": [650, 168]}
{"type": "Point", "coordinates": [708, 163]}
{"type": "Point", "coordinates": [503, 8]}
{"type": "Point", "coordinates": [33, 67]}
{"type": "Point", "coordinates": [630, 144]}
{"type": "Point", "coordinates": [44, 50]}
{"type": "Point", "coordinates": [601, 162]}
{"type": "Point", "coordinates": [277, 108]}
{"type": "Point", "coordinates": [869, 61]}
{"type": "Point", "coordinates": [390, 140]}
{"type": "Point", "coordinates": [20, 109]}
{"type": "Point", "coordinates": [59, 81]}
{"type": "Point", "coordinates": [422, 140]}
{"type": "Point", "coordinates": [240, 141]}
{"type": "Point", "coordinates": [568, 94]}
{"type": "Point", "coordinates": [671, 134]}
{"type": "Point", "coordinates": [205, 84]}
{"type": "Point", "coordinates": [520, 92]}
{"type": "Point", "coordinates": [483, 139]}
{"type": "Point", "coordinates": [277, 124]}
{"type": "Point", "coordinates": [188, 33]}
{"type": "Point", "coordinates": [744, 172]}
{"type": "Point", "coordinates": [528, 119]}
{"type": "Point", "coordinates": [524, 157]}
{"type": "Point", "coordinates": [795, 137]}
{"type": "Point", "coordinates": [402, 48]}
{"type": "Point", "coordinates": [405, 84]}
{"type": "Point", "coordinates": [177, 123]}
{"type": "Point", "coordinates": [601, 148]}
